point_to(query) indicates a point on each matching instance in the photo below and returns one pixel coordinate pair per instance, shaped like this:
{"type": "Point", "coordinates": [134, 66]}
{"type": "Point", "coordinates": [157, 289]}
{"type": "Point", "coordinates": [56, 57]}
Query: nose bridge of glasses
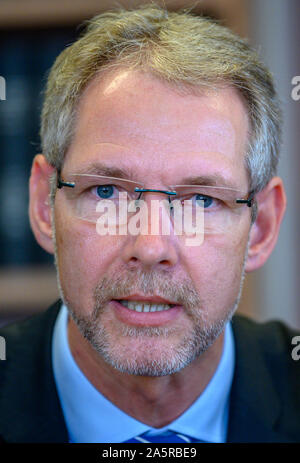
{"type": "Point", "coordinates": [157, 204]}
{"type": "Point", "coordinates": [156, 209]}
{"type": "Point", "coordinates": [140, 191]}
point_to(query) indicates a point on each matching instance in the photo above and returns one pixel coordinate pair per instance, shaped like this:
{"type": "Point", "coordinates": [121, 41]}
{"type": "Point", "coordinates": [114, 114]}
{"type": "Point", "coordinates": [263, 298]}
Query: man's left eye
{"type": "Point", "coordinates": [204, 201]}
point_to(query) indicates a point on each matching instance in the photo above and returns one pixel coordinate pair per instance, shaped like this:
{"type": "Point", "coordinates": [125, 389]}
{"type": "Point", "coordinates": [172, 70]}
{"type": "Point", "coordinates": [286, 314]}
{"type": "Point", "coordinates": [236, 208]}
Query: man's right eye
{"type": "Point", "coordinates": [105, 191]}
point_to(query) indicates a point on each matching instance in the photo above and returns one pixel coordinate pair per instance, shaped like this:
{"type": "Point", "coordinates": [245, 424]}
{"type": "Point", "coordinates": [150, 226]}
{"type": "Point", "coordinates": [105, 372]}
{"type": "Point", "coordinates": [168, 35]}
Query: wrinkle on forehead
{"type": "Point", "coordinates": [210, 133]}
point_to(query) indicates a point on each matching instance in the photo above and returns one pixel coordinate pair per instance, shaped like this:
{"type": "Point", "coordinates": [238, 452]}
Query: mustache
{"type": "Point", "coordinates": [151, 283]}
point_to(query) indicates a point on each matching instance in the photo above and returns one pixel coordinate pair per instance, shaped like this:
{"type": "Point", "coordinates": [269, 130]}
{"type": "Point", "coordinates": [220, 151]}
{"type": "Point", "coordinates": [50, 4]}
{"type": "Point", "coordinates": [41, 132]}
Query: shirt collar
{"type": "Point", "coordinates": [91, 418]}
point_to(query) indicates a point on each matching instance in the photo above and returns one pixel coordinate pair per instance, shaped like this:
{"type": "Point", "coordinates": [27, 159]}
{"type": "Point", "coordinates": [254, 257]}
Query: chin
{"type": "Point", "coordinates": [150, 351]}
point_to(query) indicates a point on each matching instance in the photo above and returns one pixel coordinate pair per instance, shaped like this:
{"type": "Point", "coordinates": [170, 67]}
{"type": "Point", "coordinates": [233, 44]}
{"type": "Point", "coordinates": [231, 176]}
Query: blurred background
{"type": "Point", "coordinates": [32, 34]}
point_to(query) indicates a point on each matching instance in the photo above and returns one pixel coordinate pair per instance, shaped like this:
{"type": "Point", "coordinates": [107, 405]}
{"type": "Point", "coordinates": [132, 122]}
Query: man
{"type": "Point", "coordinates": [141, 347]}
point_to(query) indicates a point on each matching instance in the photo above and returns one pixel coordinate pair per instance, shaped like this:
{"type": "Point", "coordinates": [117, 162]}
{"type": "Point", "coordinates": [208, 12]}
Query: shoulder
{"type": "Point", "coordinates": [33, 328]}
{"type": "Point", "coordinates": [273, 338]}
{"type": "Point", "coordinates": [267, 380]}
{"type": "Point", "coordinates": [273, 344]}
{"type": "Point", "coordinates": [27, 340]}
{"type": "Point", "coordinates": [29, 405]}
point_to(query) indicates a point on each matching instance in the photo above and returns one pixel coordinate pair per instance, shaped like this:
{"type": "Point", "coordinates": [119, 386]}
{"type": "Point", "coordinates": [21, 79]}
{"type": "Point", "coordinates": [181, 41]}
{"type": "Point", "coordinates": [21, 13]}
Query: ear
{"type": "Point", "coordinates": [39, 204]}
{"type": "Point", "coordinates": [271, 203]}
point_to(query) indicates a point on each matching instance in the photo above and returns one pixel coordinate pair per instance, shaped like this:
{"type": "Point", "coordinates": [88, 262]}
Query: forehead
{"type": "Point", "coordinates": [133, 119]}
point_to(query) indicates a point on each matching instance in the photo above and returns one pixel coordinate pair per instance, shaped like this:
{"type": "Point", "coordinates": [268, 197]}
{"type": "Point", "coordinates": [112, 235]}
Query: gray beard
{"type": "Point", "coordinates": [195, 342]}
{"type": "Point", "coordinates": [190, 347]}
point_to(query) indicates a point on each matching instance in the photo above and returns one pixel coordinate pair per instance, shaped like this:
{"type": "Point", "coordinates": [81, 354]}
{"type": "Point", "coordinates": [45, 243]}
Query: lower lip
{"type": "Point", "coordinates": [132, 317]}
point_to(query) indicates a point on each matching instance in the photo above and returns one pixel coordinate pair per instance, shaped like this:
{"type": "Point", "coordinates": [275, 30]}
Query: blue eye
{"type": "Point", "coordinates": [105, 191]}
{"type": "Point", "coordinates": [206, 201]}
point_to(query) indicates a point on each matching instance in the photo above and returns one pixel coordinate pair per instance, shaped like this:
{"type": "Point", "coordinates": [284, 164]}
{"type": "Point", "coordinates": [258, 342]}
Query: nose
{"type": "Point", "coordinates": [151, 250]}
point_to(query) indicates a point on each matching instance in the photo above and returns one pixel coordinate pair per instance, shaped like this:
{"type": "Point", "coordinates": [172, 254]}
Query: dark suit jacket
{"type": "Point", "coordinates": [265, 395]}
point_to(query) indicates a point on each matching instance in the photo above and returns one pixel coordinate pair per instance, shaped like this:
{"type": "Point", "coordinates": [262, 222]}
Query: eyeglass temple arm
{"type": "Point", "coordinates": [60, 183]}
{"type": "Point", "coordinates": [248, 201]}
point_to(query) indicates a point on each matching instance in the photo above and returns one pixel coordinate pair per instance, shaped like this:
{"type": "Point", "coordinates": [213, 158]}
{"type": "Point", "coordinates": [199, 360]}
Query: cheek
{"type": "Point", "coordinates": [83, 259]}
{"type": "Point", "coordinates": [216, 269]}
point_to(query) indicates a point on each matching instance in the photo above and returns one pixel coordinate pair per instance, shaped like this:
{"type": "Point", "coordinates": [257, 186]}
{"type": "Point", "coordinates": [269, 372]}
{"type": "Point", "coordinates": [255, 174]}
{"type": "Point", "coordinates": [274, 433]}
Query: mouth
{"type": "Point", "coordinates": [139, 310]}
{"type": "Point", "coordinates": [142, 306]}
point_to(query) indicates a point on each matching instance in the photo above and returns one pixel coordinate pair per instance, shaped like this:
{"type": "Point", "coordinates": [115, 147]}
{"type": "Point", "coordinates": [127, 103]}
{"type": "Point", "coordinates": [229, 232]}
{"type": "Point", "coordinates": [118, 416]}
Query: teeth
{"type": "Point", "coordinates": [145, 307]}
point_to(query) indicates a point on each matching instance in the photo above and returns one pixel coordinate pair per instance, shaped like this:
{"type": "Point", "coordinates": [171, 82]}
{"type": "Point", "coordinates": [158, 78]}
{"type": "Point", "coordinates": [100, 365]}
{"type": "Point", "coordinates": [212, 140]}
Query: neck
{"type": "Point", "coordinates": [155, 401]}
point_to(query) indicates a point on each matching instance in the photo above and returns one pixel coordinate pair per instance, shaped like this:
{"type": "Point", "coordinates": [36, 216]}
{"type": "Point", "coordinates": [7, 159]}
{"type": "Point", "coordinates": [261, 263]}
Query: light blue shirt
{"type": "Point", "coordinates": [91, 418]}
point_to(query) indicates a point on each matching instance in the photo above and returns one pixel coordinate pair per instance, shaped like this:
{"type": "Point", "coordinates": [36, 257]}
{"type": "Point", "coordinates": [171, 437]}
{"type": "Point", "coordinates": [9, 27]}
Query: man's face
{"type": "Point", "coordinates": [132, 121]}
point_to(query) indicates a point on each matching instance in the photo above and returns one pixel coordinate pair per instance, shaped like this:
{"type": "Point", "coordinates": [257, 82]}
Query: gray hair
{"type": "Point", "coordinates": [186, 51]}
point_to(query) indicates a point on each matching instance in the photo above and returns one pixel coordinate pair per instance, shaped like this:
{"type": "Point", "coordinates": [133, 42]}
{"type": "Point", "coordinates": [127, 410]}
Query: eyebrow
{"type": "Point", "coordinates": [208, 180]}
{"type": "Point", "coordinates": [106, 171]}
{"type": "Point", "coordinates": [113, 171]}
